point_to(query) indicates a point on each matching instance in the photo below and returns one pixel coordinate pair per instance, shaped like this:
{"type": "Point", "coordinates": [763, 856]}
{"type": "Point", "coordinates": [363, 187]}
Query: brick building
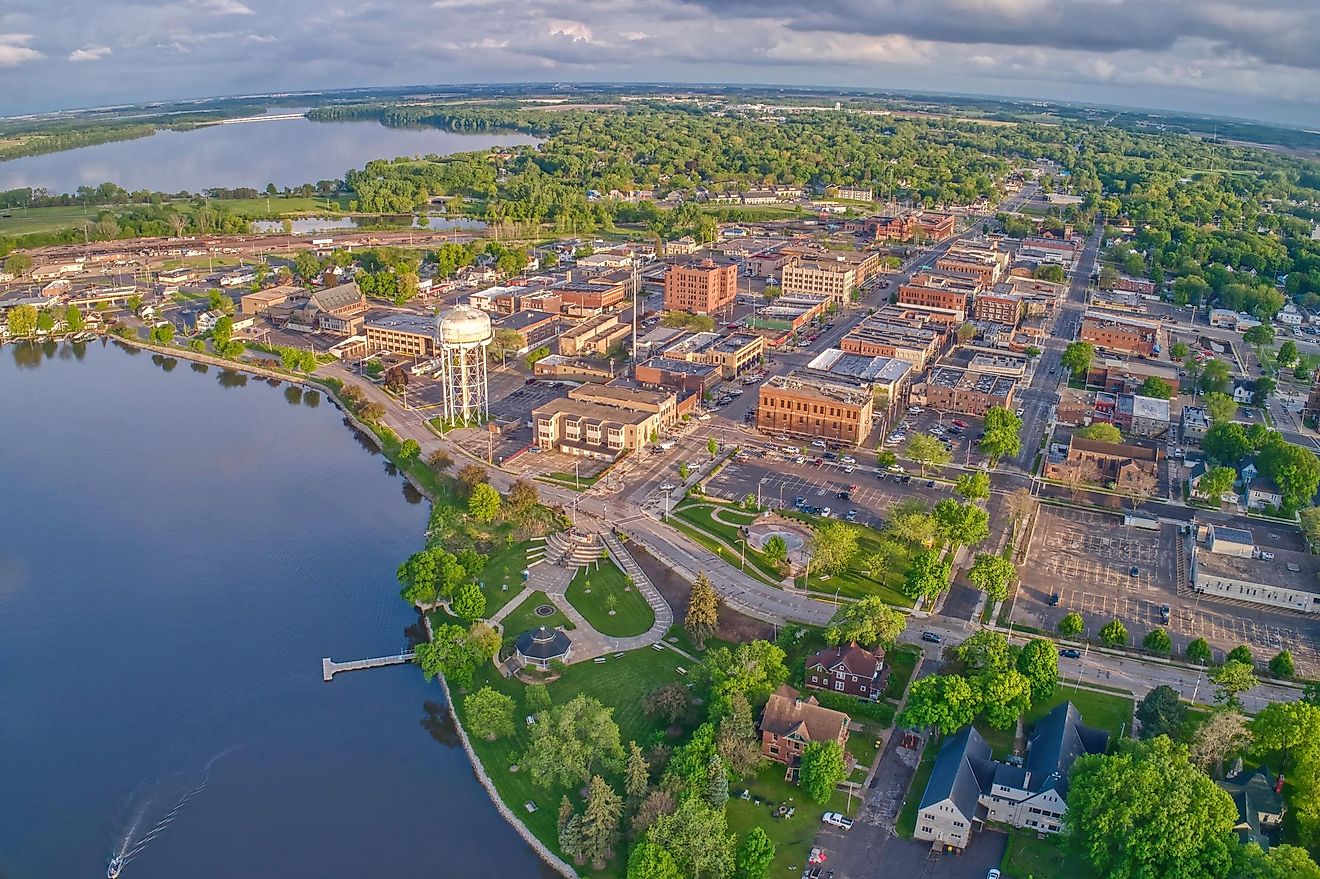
{"type": "Point", "coordinates": [533, 327]}
{"type": "Point", "coordinates": [1121, 334]}
{"type": "Point", "coordinates": [789, 723]}
{"type": "Point", "coordinates": [595, 335]}
{"type": "Point", "coordinates": [677, 375]}
{"type": "Point", "coordinates": [1000, 308]}
{"type": "Point", "coordinates": [851, 670]}
{"type": "Point", "coordinates": [733, 354]}
{"type": "Point", "coordinates": [964, 391]}
{"type": "Point", "coordinates": [814, 406]}
{"type": "Point", "coordinates": [834, 279]}
{"type": "Point", "coordinates": [704, 287]}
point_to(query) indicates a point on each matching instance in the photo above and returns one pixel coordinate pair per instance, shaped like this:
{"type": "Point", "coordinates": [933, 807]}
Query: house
{"type": "Point", "coordinates": [852, 670]}
{"type": "Point", "coordinates": [1262, 493]}
{"type": "Point", "coordinates": [1243, 389]}
{"type": "Point", "coordinates": [1247, 471]}
{"type": "Point", "coordinates": [1194, 476]}
{"type": "Point", "coordinates": [789, 723]}
{"type": "Point", "coordinates": [1258, 796]}
{"type": "Point", "coordinates": [967, 788]}
{"type": "Point", "coordinates": [207, 320]}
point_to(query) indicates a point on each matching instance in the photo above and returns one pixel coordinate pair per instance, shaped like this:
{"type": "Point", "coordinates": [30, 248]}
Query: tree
{"type": "Point", "coordinates": [1295, 470]}
{"type": "Point", "coordinates": [1217, 482]}
{"type": "Point", "coordinates": [522, 498]}
{"type": "Point", "coordinates": [440, 460]}
{"type": "Point", "coordinates": [1264, 389]}
{"type": "Point", "coordinates": [946, 702]}
{"type": "Point", "coordinates": [1136, 485]}
{"type": "Point", "coordinates": [489, 714]}
{"type": "Point", "coordinates": [536, 697]}
{"type": "Point", "coordinates": [450, 652]}
{"type": "Point", "coordinates": [1215, 377]}
{"type": "Point", "coordinates": [1161, 712]}
{"type": "Point", "coordinates": [1005, 696]}
{"type": "Point", "coordinates": [869, 622]}
{"type": "Point", "coordinates": [1240, 653]}
{"type": "Point", "coordinates": [669, 702]}
{"type": "Point", "coordinates": [484, 503]}
{"type": "Point", "coordinates": [469, 602]}
{"type": "Point", "coordinates": [755, 669]}
{"type": "Point", "coordinates": [571, 742]}
{"type": "Point", "coordinates": [1259, 336]}
{"type": "Point", "coordinates": [1077, 357]}
{"type": "Point", "coordinates": [1114, 634]}
{"type": "Point", "coordinates": [637, 774]}
{"type": "Point", "coordinates": [833, 546]}
{"type": "Point", "coordinates": [927, 576]}
{"type": "Point", "coordinates": [683, 470]}
{"type": "Point", "coordinates": [1146, 811]}
{"type": "Point", "coordinates": [1039, 661]}
{"type": "Point", "coordinates": [712, 447]}
{"type": "Point", "coordinates": [1226, 442]}
{"type": "Point", "coordinates": [1101, 432]}
{"type": "Point", "coordinates": [1179, 351]}
{"type": "Point", "coordinates": [703, 612]}
{"type": "Point", "coordinates": [1158, 641]}
{"type": "Point", "coordinates": [161, 334]}
{"type": "Point", "coordinates": [717, 782]}
{"type": "Point", "coordinates": [651, 861]}
{"type": "Point", "coordinates": [409, 450]}
{"type": "Point", "coordinates": [911, 523]}
{"type": "Point", "coordinates": [961, 524]}
{"type": "Point", "coordinates": [973, 486]}
{"type": "Point", "coordinates": [472, 475]}
{"type": "Point", "coordinates": [306, 266]}
{"type": "Point", "coordinates": [1052, 273]}
{"type": "Point", "coordinates": [885, 459]}
{"type": "Point", "coordinates": [600, 822]}
{"type": "Point", "coordinates": [1199, 651]}
{"type": "Point", "coordinates": [1287, 354]}
{"type": "Point", "coordinates": [1071, 625]}
{"type": "Point", "coordinates": [45, 322]}
{"type": "Point", "coordinates": [985, 651]}
{"type": "Point", "coordinates": [18, 264]}
{"type": "Point", "coordinates": [1290, 730]}
{"type": "Point", "coordinates": [822, 769]}
{"type": "Point", "coordinates": [926, 451]}
{"type": "Point", "coordinates": [1219, 406]}
{"type": "Point", "coordinates": [1280, 862]}
{"type": "Point", "coordinates": [1220, 735]}
{"type": "Point", "coordinates": [22, 321]}
{"type": "Point", "coordinates": [775, 550]}
{"type": "Point", "coordinates": [1232, 678]}
{"type": "Point", "coordinates": [966, 332]}
{"type": "Point", "coordinates": [570, 838]}
{"type": "Point", "coordinates": [698, 839]}
{"type": "Point", "coordinates": [1002, 434]}
{"type": "Point", "coordinates": [737, 742]}
{"type": "Point", "coordinates": [73, 319]}
{"type": "Point", "coordinates": [419, 575]}
{"type": "Point", "coordinates": [755, 855]}
{"type": "Point", "coordinates": [992, 574]}
{"type": "Point", "coordinates": [1281, 666]}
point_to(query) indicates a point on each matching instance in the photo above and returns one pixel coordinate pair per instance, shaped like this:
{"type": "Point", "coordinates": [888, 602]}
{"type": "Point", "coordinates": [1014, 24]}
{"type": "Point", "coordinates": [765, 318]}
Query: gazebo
{"type": "Point", "coordinates": [542, 646]}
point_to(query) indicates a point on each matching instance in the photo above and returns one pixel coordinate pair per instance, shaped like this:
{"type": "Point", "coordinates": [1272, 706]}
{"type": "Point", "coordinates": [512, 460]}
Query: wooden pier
{"type": "Point", "coordinates": [329, 668]}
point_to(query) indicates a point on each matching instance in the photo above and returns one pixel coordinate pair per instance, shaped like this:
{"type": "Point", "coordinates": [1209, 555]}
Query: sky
{"type": "Point", "coordinates": [1245, 58]}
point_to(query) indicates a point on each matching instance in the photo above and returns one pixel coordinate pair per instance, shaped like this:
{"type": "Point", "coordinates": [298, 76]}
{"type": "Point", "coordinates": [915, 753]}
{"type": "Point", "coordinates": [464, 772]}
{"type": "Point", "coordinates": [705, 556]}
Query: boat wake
{"type": "Point", "coordinates": [132, 844]}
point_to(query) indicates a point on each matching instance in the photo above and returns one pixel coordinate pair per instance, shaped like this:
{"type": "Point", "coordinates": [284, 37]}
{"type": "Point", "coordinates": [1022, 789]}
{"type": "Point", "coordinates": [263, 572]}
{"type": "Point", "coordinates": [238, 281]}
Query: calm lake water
{"type": "Point", "coordinates": [287, 152]}
{"type": "Point", "coordinates": [179, 547]}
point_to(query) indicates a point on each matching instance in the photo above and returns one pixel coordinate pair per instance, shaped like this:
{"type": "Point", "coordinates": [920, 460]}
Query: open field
{"type": "Point", "coordinates": [632, 615]}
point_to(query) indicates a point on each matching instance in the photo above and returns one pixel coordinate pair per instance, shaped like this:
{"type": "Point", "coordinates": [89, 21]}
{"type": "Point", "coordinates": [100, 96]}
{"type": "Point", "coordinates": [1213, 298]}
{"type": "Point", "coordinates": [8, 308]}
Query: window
{"type": "Point", "coordinates": [838, 685]}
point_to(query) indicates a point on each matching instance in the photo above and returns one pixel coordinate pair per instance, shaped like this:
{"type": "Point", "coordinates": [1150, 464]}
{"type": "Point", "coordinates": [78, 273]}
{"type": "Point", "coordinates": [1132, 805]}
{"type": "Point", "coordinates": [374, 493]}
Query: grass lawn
{"type": "Point", "coordinates": [902, 662]}
{"type": "Point", "coordinates": [632, 615]}
{"type": "Point", "coordinates": [619, 683]}
{"type": "Point", "coordinates": [700, 517]}
{"type": "Point", "coordinates": [719, 548]}
{"type": "Point", "coordinates": [523, 617]}
{"type": "Point", "coordinates": [856, 581]}
{"type": "Point", "coordinates": [1112, 713]}
{"type": "Point", "coordinates": [906, 824]}
{"type": "Point", "coordinates": [504, 570]}
{"type": "Point", "coordinates": [1028, 856]}
{"type": "Point", "coordinates": [792, 836]}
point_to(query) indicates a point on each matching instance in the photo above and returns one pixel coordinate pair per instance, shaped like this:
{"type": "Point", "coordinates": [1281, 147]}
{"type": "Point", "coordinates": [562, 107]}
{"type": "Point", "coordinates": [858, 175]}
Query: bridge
{"type": "Point", "coordinates": [330, 668]}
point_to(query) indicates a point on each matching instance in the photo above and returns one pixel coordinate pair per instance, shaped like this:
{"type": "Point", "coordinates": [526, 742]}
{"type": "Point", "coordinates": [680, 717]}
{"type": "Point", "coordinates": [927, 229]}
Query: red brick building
{"type": "Point", "coordinates": [852, 670]}
{"type": "Point", "coordinates": [790, 723]}
{"type": "Point", "coordinates": [1001, 308]}
{"type": "Point", "coordinates": [1121, 334]}
{"type": "Point", "coordinates": [703, 287]}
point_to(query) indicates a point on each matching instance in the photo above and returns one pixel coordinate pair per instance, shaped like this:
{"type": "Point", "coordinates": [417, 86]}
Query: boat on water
{"type": "Point", "coordinates": [116, 864]}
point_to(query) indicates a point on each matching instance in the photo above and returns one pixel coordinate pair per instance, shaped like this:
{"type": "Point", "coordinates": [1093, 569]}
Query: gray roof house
{"type": "Point", "coordinates": [1258, 796]}
{"type": "Point", "coordinates": [967, 788]}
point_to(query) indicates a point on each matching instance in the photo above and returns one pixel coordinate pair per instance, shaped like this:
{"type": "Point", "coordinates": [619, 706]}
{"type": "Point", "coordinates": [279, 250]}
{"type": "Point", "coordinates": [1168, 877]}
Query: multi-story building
{"type": "Point", "coordinates": [1121, 334]}
{"type": "Point", "coordinates": [1102, 462]}
{"type": "Point", "coordinates": [1000, 308]}
{"type": "Point", "coordinates": [1057, 251]}
{"type": "Point", "coordinates": [412, 335]}
{"type": "Point", "coordinates": [968, 788]}
{"type": "Point", "coordinates": [1146, 417]}
{"type": "Point", "coordinates": [808, 404]}
{"type": "Point", "coordinates": [856, 193]}
{"type": "Point", "coordinates": [732, 354]}
{"type": "Point", "coordinates": [534, 328]}
{"type": "Point", "coordinates": [704, 287]}
{"type": "Point", "coordinates": [1126, 376]}
{"type": "Point", "coordinates": [785, 316]}
{"type": "Point", "coordinates": [602, 421]}
{"type": "Point", "coordinates": [789, 723]}
{"type": "Point", "coordinates": [851, 670]}
{"type": "Point", "coordinates": [1227, 563]}
{"type": "Point", "coordinates": [979, 259]}
{"type": "Point", "coordinates": [887, 377]}
{"type": "Point", "coordinates": [677, 375]}
{"type": "Point", "coordinates": [833, 279]}
{"type": "Point", "coordinates": [878, 336]}
{"type": "Point", "coordinates": [263, 300]}
{"type": "Point", "coordinates": [942, 292]}
{"type": "Point", "coordinates": [964, 391]}
{"type": "Point", "coordinates": [595, 335]}
{"type": "Point", "coordinates": [1195, 423]}
{"type": "Point", "coordinates": [584, 298]}
{"type": "Point", "coordinates": [906, 227]}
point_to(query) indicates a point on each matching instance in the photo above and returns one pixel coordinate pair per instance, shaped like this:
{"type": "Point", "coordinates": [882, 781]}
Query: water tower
{"type": "Point", "coordinates": [463, 334]}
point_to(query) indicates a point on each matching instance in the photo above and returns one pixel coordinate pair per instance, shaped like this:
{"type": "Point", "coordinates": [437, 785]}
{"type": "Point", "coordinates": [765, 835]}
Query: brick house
{"type": "Point", "coordinates": [851, 670]}
{"type": "Point", "coordinates": [789, 723]}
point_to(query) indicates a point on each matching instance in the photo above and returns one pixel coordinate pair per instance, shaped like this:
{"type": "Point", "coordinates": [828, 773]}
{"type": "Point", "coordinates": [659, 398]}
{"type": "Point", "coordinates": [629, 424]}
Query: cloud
{"type": "Point", "coordinates": [89, 53]}
{"type": "Point", "coordinates": [222, 7]}
{"type": "Point", "coordinates": [15, 51]}
{"type": "Point", "coordinates": [574, 30]}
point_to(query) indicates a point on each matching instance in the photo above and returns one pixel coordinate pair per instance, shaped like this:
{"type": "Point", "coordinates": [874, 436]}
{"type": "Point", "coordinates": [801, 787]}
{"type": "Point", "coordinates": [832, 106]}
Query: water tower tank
{"type": "Point", "coordinates": [463, 326]}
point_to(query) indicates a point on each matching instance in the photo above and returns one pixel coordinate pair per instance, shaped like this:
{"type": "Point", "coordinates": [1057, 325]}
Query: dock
{"type": "Point", "coordinates": [330, 668]}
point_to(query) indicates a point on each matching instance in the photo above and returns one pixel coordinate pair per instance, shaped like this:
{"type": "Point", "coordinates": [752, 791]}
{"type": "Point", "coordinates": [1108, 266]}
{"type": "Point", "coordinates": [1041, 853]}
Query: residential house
{"type": "Point", "coordinates": [951, 800]}
{"type": "Point", "coordinates": [1262, 493]}
{"type": "Point", "coordinates": [1258, 796]}
{"type": "Point", "coordinates": [1194, 476]}
{"type": "Point", "coordinates": [850, 669]}
{"type": "Point", "coordinates": [790, 723]}
{"type": "Point", "coordinates": [1243, 390]}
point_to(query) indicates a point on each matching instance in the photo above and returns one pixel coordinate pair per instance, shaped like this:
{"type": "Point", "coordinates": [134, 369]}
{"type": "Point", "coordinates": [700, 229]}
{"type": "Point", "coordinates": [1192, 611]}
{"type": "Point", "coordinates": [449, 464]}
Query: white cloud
{"type": "Point", "coordinates": [89, 53]}
{"type": "Point", "coordinates": [222, 7]}
{"type": "Point", "coordinates": [574, 30]}
{"type": "Point", "coordinates": [15, 51]}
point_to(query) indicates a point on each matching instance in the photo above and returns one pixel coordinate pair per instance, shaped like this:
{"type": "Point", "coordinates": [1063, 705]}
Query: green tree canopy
{"type": "Point", "coordinates": [869, 622]}
{"type": "Point", "coordinates": [1161, 712]}
{"type": "Point", "coordinates": [821, 770]}
{"type": "Point", "coordinates": [1100, 431]}
{"type": "Point", "coordinates": [947, 702]}
{"type": "Point", "coordinates": [571, 742]}
{"type": "Point", "coordinates": [488, 714]}
{"type": "Point", "coordinates": [1077, 357]}
{"type": "Point", "coordinates": [1039, 661]}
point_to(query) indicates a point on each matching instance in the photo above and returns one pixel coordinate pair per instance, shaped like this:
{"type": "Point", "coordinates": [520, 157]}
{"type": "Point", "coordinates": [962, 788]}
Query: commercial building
{"type": "Point", "coordinates": [732, 354]}
{"type": "Point", "coordinates": [578, 369]}
{"type": "Point", "coordinates": [1127, 376]}
{"type": "Point", "coordinates": [677, 375]}
{"type": "Point", "coordinates": [964, 391]}
{"type": "Point", "coordinates": [262, 300]}
{"type": "Point", "coordinates": [1195, 423]}
{"type": "Point", "coordinates": [1000, 308]}
{"type": "Point", "coordinates": [968, 788]}
{"type": "Point", "coordinates": [907, 227]}
{"type": "Point", "coordinates": [595, 335]}
{"type": "Point", "coordinates": [785, 316]}
{"type": "Point", "coordinates": [624, 395]}
{"type": "Point", "coordinates": [887, 377]}
{"type": "Point", "coordinates": [950, 293]}
{"type": "Point", "coordinates": [584, 298]}
{"type": "Point", "coordinates": [602, 421]}
{"type": "Point", "coordinates": [334, 309]}
{"type": "Point", "coordinates": [982, 260]}
{"type": "Point", "coordinates": [835, 280]}
{"type": "Point", "coordinates": [411, 335]}
{"type": "Point", "coordinates": [1121, 334]}
{"type": "Point", "coordinates": [879, 336]}
{"type": "Point", "coordinates": [789, 723]}
{"type": "Point", "coordinates": [848, 669]}
{"type": "Point", "coordinates": [1227, 563]}
{"type": "Point", "coordinates": [1146, 417]}
{"type": "Point", "coordinates": [1101, 462]}
{"type": "Point", "coordinates": [534, 328]}
{"type": "Point", "coordinates": [806, 403]}
{"type": "Point", "coordinates": [1056, 251]}
{"type": "Point", "coordinates": [704, 287]}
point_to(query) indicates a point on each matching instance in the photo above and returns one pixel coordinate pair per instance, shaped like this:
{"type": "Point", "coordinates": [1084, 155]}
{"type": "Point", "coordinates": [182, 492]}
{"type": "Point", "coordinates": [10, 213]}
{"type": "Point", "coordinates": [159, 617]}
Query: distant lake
{"type": "Point", "coordinates": [179, 547]}
{"type": "Point", "coordinates": [435, 222]}
{"type": "Point", "coordinates": [287, 152]}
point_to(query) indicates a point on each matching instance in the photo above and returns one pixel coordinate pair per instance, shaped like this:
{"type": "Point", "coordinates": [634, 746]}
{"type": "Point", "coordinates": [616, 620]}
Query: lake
{"type": "Point", "coordinates": [179, 547]}
{"type": "Point", "coordinates": [286, 152]}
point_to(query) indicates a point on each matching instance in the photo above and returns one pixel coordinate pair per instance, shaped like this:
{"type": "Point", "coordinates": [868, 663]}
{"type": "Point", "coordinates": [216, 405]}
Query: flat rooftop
{"type": "Point", "coordinates": [967, 380]}
{"type": "Point", "coordinates": [623, 395]}
{"type": "Point", "coordinates": [521, 320]}
{"type": "Point", "coordinates": [816, 384]}
{"type": "Point", "coordinates": [591, 411]}
{"type": "Point", "coordinates": [403, 322]}
{"type": "Point", "coordinates": [682, 367]}
{"type": "Point", "coordinates": [859, 367]}
{"type": "Point", "coordinates": [1288, 569]}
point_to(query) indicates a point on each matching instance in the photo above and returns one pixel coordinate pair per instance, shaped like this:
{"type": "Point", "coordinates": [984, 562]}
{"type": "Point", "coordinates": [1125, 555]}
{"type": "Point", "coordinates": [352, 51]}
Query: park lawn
{"type": "Point", "coordinates": [700, 516]}
{"type": "Point", "coordinates": [632, 614]}
{"type": "Point", "coordinates": [902, 661]}
{"type": "Point", "coordinates": [617, 683]}
{"type": "Point", "coordinates": [719, 548]}
{"type": "Point", "coordinates": [854, 581]}
{"type": "Point", "coordinates": [1027, 855]}
{"type": "Point", "coordinates": [33, 220]}
{"type": "Point", "coordinates": [1109, 712]}
{"type": "Point", "coordinates": [906, 825]}
{"type": "Point", "coordinates": [794, 836]}
{"type": "Point", "coordinates": [502, 578]}
{"type": "Point", "coordinates": [523, 618]}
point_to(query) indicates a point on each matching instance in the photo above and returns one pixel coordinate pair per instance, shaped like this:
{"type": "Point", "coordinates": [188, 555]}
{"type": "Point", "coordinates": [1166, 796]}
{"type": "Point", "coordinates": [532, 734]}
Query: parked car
{"type": "Point", "coordinates": [837, 820]}
{"type": "Point", "coordinates": [668, 486]}
{"type": "Point", "coordinates": [1164, 613]}
{"type": "Point", "coordinates": [1070, 653]}
{"type": "Point", "coordinates": [931, 638]}
{"type": "Point", "coordinates": [799, 502]}
{"type": "Point", "coordinates": [1134, 572]}
{"type": "Point", "coordinates": [852, 516]}
{"type": "Point", "coordinates": [818, 444]}
{"type": "Point", "coordinates": [847, 459]}
{"type": "Point", "coordinates": [825, 512]}
{"type": "Point", "coordinates": [1054, 599]}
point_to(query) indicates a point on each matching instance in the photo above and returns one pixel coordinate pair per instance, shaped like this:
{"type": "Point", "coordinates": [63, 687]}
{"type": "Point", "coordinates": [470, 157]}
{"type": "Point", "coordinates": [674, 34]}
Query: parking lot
{"type": "Point", "coordinates": [1088, 559]}
{"type": "Point", "coordinates": [961, 440]}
